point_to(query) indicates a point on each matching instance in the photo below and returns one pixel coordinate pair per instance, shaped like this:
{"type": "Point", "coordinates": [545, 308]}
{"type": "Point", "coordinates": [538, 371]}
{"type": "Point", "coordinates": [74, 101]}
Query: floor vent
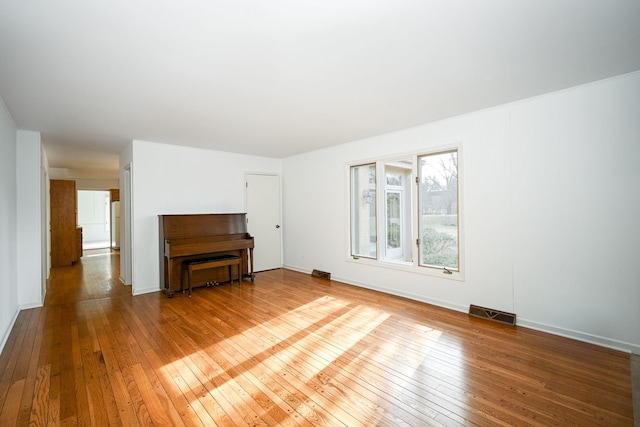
{"type": "Point", "coordinates": [321, 274]}
{"type": "Point", "coordinates": [495, 315]}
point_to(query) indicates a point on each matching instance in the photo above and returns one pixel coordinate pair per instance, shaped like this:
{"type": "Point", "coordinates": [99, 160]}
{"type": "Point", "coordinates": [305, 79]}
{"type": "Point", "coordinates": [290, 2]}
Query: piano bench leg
{"type": "Point", "coordinates": [205, 264]}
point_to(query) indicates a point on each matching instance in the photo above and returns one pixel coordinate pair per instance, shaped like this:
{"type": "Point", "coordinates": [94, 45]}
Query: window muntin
{"type": "Point", "coordinates": [438, 210]}
{"type": "Point", "coordinates": [363, 211]}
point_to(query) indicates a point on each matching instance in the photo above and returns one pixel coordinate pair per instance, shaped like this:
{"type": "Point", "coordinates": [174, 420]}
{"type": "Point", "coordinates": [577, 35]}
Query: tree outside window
{"type": "Point", "coordinates": [438, 221]}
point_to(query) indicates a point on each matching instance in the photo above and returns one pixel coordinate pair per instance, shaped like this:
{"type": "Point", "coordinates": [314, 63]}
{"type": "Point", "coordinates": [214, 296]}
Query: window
{"type": "Point", "coordinates": [363, 211]}
{"type": "Point", "coordinates": [397, 202]}
{"type": "Point", "coordinates": [438, 210]}
{"type": "Point", "coordinates": [410, 217]}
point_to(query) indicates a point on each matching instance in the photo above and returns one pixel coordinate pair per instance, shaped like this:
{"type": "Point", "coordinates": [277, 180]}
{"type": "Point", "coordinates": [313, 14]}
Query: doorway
{"type": "Point", "coordinates": [126, 262]}
{"type": "Point", "coordinates": [94, 213]}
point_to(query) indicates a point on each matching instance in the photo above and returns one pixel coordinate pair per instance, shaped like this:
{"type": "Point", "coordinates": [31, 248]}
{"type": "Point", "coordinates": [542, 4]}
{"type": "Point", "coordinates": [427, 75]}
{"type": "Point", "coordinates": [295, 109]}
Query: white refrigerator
{"type": "Point", "coordinates": [115, 225]}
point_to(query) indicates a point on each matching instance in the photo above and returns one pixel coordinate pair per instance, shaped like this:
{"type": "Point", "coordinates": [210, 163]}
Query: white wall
{"type": "Point", "coordinates": [87, 179]}
{"type": "Point", "coordinates": [9, 306]}
{"type": "Point", "coordinates": [551, 204]}
{"type": "Point", "coordinates": [29, 204]}
{"type": "Point", "coordinates": [169, 179]}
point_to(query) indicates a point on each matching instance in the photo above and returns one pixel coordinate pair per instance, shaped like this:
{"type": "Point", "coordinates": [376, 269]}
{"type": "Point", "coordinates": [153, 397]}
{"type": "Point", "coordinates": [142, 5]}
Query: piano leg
{"type": "Point", "coordinates": [167, 279]}
{"type": "Point", "coordinates": [251, 256]}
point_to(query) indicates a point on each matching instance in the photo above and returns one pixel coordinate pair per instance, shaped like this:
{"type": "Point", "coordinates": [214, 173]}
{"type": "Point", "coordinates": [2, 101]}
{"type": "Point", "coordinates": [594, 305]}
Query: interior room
{"type": "Point", "coordinates": [396, 163]}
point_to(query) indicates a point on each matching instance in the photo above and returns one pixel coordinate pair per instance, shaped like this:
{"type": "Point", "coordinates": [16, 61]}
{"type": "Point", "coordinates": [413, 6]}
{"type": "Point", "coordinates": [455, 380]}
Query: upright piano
{"type": "Point", "coordinates": [199, 236]}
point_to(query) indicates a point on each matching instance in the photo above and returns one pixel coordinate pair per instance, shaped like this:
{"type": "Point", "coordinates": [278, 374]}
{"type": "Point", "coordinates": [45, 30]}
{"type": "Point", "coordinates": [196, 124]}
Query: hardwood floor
{"type": "Point", "coordinates": [290, 350]}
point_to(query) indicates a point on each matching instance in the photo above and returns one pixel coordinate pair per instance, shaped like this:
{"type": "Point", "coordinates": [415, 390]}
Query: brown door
{"type": "Point", "coordinates": [63, 223]}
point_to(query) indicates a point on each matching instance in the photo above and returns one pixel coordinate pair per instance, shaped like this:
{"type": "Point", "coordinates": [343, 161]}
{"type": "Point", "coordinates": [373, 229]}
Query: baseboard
{"type": "Point", "coordinates": [581, 336]}
{"type": "Point", "coordinates": [415, 297]}
{"type": "Point", "coordinates": [409, 295]}
{"type": "Point", "coordinates": [33, 304]}
{"type": "Point", "coordinates": [554, 330]}
{"type": "Point", "coordinates": [148, 290]}
{"type": "Point", "coordinates": [5, 336]}
{"type": "Point", "coordinates": [298, 269]}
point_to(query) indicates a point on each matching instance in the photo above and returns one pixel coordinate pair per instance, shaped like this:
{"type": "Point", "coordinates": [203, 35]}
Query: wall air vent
{"type": "Point", "coordinates": [321, 274]}
{"type": "Point", "coordinates": [495, 315]}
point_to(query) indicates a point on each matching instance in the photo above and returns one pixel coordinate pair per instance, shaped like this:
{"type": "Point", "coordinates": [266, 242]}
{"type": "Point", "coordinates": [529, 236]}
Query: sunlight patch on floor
{"type": "Point", "coordinates": [98, 255]}
{"type": "Point", "coordinates": [300, 344]}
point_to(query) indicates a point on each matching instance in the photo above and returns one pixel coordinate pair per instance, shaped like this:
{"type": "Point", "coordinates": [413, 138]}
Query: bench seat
{"type": "Point", "coordinates": [188, 267]}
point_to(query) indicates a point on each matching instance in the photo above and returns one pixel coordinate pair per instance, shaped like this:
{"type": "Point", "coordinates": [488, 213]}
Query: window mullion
{"type": "Point", "coordinates": [381, 209]}
{"type": "Point", "coordinates": [415, 212]}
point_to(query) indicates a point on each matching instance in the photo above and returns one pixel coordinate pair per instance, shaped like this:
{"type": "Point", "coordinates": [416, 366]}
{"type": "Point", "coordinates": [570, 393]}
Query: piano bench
{"type": "Point", "coordinates": [188, 267]}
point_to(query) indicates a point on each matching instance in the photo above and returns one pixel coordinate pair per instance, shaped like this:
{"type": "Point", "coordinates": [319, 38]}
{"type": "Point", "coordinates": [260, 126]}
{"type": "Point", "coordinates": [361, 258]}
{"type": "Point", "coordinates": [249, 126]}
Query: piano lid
{"type": "Point", "coordinates": [202, 225]}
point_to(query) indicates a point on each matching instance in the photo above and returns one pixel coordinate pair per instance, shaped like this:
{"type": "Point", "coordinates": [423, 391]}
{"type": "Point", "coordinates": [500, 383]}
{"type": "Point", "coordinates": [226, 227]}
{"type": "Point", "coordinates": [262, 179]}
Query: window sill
{"type": "Point", "coordinates": [409, 268]}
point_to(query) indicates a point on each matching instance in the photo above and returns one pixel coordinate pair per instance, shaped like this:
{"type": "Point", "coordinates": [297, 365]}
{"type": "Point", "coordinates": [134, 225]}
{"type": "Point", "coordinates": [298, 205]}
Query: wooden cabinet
{"type": "Point", "coordinates": [64, 227]}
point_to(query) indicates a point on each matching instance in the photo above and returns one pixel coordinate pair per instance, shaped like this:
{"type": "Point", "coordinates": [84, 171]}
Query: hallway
{"type": "Point", "coordinates": [94, 276]}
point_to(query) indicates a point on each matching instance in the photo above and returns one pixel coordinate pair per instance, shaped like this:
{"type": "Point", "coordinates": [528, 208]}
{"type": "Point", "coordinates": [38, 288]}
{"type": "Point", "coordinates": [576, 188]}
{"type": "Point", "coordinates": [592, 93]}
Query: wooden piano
{"type": "Point", "coordinates": [199, 236]}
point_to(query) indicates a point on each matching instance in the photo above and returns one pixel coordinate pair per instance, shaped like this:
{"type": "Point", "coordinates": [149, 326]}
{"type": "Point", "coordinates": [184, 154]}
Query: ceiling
{"type": "Point", "coordinates": [281, 77]}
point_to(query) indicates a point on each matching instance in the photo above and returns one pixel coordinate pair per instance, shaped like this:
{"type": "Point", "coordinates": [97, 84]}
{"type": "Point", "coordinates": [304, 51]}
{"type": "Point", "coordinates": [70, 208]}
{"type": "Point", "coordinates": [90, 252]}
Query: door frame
{"type": "Point", "coordinates": [246, 204]}
{"type": "Point", "coordinates": [126, 237]}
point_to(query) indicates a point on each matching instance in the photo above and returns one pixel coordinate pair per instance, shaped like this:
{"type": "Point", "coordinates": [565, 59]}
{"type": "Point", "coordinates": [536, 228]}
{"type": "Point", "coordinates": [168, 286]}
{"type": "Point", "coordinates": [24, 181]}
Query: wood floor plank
{"type": "Point", "coordinates": [312, 322]}
{"type": "Point", "coordinates": [579, 343]}
{"type": "Point", "coordinates": [139, 354]}
{"type": "Point", "coordinates": [14, 354]}
{"type": "Point", "coordinates": [10, 354]}
{"type": "Point", "coordinates": [28, 393]}
{"type": "Point", "coordinates": [231, 391]}
{"type": "Point", "coordinates": [123, 343]}
{"type": "Point", "coordinates": [251, 361]}
{"type": "Point", "coordinates": [162, 412]}
{"type": "Point", "coordinates": [358, 372]}
{"type": "Point", "coordinates": [91, 372]}
{"type": "Point", "coordinates": [111, 350]}
{"type": "Point", "coordinates": [11, 408]}
{"type": "Point", "coordinates": [348, 391]}
{"type": "Point", "coordinates": [11, 347]}
{"type": "Point", "coordinates": [139, 327]}
{"type": "Point", "coordinates": [395, 420]}
{"type": "Point", "coordinates": [290, 350]}
{"type": "Point", "coordinates": [53, 414]}
{"type": "Point", "coordinates": [39, 414]}
{"type": "Point", "coordinates": [206, 408]}
{"type": "Point", "coordinates": [75, 386]}
{"type": "Point", "coordinates": [271, 397]}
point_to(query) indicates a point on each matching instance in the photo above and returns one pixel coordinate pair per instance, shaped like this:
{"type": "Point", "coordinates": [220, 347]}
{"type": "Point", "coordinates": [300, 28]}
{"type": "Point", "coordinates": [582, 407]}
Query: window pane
{"type": "Point", "coordinates": [393, 220]}
{"type": "Point", "coordinates": [363, 211]}
{"type": "Point", "coordinates": [438, 194]}
{"type": "Point", "coordinates": [397, 213]}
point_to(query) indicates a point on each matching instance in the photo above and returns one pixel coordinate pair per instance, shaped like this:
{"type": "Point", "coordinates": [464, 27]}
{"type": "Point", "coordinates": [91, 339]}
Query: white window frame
{"type": "Point", "coordinates": [412, 266]}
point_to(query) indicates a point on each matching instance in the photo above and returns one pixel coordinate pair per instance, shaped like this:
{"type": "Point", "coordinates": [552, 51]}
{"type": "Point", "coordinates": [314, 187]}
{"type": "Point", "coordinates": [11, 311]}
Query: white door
{"type": "Point", "coordinates": [263, 216]}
